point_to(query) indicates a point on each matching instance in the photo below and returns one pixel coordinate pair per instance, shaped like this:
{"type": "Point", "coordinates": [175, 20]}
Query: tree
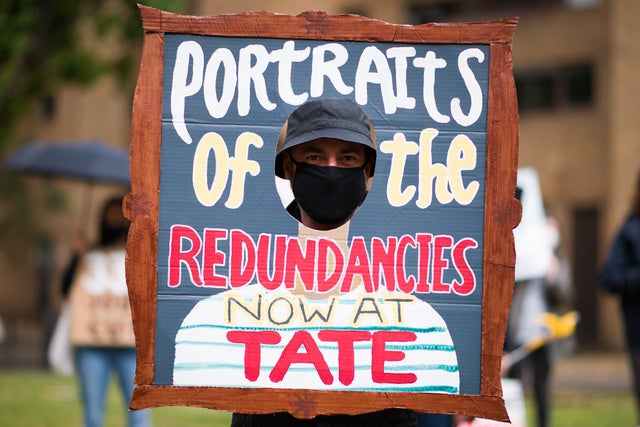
{"type": "Point", "coordinates": [44, 46]}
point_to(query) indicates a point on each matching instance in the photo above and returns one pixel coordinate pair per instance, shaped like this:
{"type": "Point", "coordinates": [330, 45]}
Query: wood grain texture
{"type": "Point", "coordinates": [309, 403]}
{"type": "Point", "coordinates": [321, 26]}
{"type": "Point", "coordinates": [502, 210]}
{"type": "Point", "coordinates": [502, 214]}
{"type": "Point", "coordinates": [141, 205]}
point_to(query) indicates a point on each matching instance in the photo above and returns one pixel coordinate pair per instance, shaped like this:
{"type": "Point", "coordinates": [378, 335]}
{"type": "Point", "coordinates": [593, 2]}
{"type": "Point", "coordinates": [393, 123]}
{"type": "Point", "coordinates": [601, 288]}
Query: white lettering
{"type": "Point", "coordinates": [187, 52]}
{"type": "Point", "coordinates": [431, 63]}
{"type": "Point", "coordinates": [285, 58]}
{"type": "Point", "coordinates": [240, 75]}
{"type": "Point", "coordinates": [382, 76]}
{"type": "Point", "coordinates": [400, 54]}
{"type": "Point", "coordinates": [322, 68]}
{"type": "Point", "coordinates": [475, 91]}
{"type": "Point", "coordinates": [218, 107]}
{"type": "Point", "coordinates": [248, 73]}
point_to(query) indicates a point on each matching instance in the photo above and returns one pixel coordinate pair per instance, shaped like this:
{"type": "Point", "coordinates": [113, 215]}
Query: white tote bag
{"type": "Point", "coordinates": [60, 353]}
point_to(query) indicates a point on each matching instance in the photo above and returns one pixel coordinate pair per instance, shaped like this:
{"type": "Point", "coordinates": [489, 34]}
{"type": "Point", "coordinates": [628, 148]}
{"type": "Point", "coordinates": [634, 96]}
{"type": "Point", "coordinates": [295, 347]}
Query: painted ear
{"type": "Point", "coordinates": [287, 165]}
{"type": "Point", "coordinates": [369, 165]}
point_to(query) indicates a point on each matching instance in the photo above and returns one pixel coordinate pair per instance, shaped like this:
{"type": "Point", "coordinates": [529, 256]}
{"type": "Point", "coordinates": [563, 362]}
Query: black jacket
{"type": "Point", "coordinates": [620, 275]}
{"type": "Point", "coordinates": [385, 418]}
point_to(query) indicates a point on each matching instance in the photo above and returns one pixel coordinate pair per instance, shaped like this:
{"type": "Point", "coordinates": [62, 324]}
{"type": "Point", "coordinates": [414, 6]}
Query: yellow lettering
{"type": "Point", "coordinates": [208, 195]}
{"type": "Point", "coordinates": [443, 180]}
{"type": "Point", "coordinates": [462, 156]}
{"type": "Point", "coordinates": [430, 172]}
{"type": "Point", "coordinates": [240, 165]}
{"type": "Point", "coordinates": [399, 148]}
{"type": "Point", "coordinates": [278, 310]}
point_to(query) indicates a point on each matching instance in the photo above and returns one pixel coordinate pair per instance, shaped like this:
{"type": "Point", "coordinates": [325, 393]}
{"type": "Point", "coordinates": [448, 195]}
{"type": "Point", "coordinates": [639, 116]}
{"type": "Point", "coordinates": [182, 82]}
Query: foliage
{"type": "Point", "coordinates": [45, 44]}
{"type": "Point", "coordinates": [18, 221]}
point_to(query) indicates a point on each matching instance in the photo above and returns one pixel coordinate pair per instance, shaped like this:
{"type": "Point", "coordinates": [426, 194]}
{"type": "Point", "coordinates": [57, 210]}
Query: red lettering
{"type": "Point", "coordinates": [264, 256]}
{"type": "Point", "coordinates": [468, 283]}
{"type": "Point", "coordinates": [177, 255]}
{"type": "Point", "coordinates": [346, 354]}
{"type": "Point", "coordinates": [326, 280]}
{"type": "Point", "coordinates": [291, 355]}
{"type": "Point", "coordinates": [345, 339]}
{"type": "Point", "coordinates": [358, 264]}
{"type": "Point", "coordinates": [380, 355]}
{"type": "Point", "coordinates": [301, 261]}
{"type": "Point", "coordinates": [319, 264]}
{"type": "Point", "coordinates": [253, 341]}
{"type": "Point", "coordinates": [212, 257]}
{"type": "Point", "coordinates": [405, 283]}
{"type": "Point", "coordinates": [242, 259]}
{"type": "Point", "coordinates": [424, 260]}
{"type": "Point", "coordinates": [440, 264]}
{"type": "Point", "coordinates": [383, 257]}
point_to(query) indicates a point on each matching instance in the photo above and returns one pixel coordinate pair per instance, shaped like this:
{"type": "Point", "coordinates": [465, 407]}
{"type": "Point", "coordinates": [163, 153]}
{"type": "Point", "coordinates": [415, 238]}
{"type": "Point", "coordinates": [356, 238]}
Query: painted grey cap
{"type": "Point", "coordinates": [325, 118]}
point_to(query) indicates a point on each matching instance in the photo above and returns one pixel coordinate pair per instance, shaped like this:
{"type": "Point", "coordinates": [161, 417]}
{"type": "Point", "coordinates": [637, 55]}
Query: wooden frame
{"type": "Point", "coordinates": [502, 211]}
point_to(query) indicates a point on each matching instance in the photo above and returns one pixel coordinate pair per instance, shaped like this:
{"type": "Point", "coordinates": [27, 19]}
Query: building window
{"type": "Point", "coordinates": [422, 11]}
{"type": "Point", "coordinates": [555, 88]}
{"type": "Point", "coordinates": [580, 85]}
{"type": "Point", "coordinates": [535, 92]}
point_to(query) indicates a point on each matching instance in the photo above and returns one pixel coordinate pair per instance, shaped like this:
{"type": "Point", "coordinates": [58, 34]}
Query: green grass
{"type": "Point", "coordinates": [588, 408]}
{"type": "Point", "coordinates": [33, 398]}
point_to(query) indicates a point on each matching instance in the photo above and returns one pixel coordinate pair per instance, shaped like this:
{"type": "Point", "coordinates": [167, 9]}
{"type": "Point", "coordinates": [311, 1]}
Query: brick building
{"type": "Point", "coordinates": [575, 63]}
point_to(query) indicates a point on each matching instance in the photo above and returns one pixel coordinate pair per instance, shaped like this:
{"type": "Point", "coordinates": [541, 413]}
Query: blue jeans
{"type": "Point", "coordinates": [93, 367]}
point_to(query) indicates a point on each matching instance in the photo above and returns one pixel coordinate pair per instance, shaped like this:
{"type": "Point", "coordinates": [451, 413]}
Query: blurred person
{"type": "Point", "coordinates": [2, 330]}
{"type": "Point", "coordinates": [537, 269]}
{"type": "Point", "coordinates": [328, 155]}
{"type": "Point", "coordinates": [101, 328]}
{"type": "Point", "coordinates": [620, 275]}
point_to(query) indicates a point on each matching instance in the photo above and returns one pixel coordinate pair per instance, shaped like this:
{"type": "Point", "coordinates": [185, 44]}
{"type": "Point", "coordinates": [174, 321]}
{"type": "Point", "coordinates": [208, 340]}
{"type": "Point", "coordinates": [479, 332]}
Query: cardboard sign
{"type": "Point", "coordinates": [99, 307]}
{"type": "Point", "coordinates": [239, 307]}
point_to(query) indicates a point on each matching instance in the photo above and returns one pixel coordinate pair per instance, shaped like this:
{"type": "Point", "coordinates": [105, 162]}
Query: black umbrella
{"type": "Point", "coordinates": [87, 161]}
{"type": "Point", "coordinates": [91, 161]}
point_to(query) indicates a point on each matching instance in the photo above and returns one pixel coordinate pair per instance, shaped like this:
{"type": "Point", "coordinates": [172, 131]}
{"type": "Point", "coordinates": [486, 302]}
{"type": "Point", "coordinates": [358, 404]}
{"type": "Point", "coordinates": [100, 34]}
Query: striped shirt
{"type": "Point", "coordinates": [424, 362]}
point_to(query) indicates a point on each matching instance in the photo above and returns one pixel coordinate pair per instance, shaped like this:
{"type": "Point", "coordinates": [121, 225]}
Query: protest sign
{"type": "Point", "coordinates": [239, 307]}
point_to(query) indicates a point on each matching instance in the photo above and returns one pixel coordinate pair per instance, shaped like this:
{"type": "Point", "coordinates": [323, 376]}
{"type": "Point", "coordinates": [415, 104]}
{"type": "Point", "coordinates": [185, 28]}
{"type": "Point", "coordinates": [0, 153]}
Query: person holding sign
{"type": "Point", "coordinates": [293, 336]}
{"type": "Point", "coordinates": [328, 154]}
{"type": "Point", "coordinates": [101, 329]}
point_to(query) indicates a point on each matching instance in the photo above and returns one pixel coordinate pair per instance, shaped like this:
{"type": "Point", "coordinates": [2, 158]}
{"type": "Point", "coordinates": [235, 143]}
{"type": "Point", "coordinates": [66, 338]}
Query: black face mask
{"type": "Point", "coordinates": [328, 194]}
